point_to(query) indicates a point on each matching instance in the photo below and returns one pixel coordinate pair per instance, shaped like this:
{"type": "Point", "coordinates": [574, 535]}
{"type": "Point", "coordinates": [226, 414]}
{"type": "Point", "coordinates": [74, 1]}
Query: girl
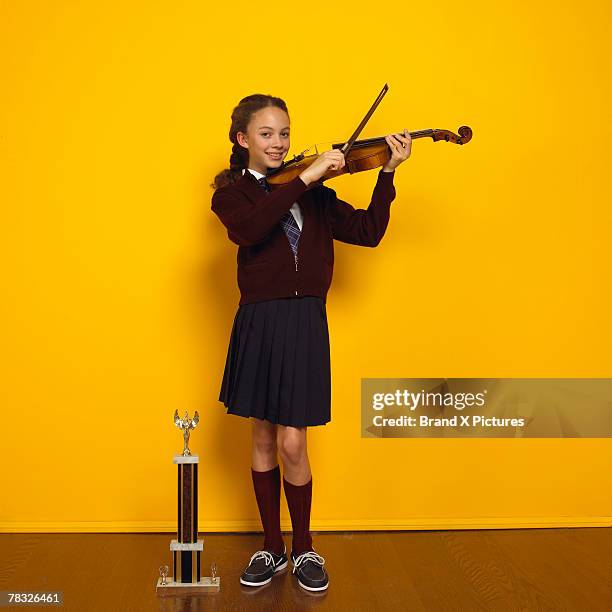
{"type": "Point", "coordinates": [277, 370]}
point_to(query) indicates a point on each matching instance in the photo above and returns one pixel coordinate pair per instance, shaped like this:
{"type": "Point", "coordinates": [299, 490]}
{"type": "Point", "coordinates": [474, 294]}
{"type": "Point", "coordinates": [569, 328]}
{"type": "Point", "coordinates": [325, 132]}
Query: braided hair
{"type": "Point", "coordinates": [241, 116]}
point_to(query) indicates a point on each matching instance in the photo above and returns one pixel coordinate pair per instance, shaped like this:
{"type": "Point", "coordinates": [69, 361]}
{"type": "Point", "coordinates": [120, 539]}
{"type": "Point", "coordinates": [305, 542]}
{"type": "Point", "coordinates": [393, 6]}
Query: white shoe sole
{"type": "Point", "coordinates": [312, 588]}
{"type": "Point", "coordinates": [255, 583]}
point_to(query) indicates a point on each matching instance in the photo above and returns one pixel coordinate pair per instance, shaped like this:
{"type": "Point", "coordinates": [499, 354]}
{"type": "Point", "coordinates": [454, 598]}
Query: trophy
{"type": "Point", "coordinates": [187, 548]}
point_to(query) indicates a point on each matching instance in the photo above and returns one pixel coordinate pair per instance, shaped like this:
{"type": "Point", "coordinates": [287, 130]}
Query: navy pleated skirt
{"type": "Point", "coordinates": [278, 362]}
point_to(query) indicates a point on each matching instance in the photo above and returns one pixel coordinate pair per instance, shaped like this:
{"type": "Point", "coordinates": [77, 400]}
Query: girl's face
{"type": "Point", "coordinates": [266, 138]}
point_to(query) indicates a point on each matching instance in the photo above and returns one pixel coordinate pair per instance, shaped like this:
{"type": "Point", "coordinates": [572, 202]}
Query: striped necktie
{"type": "Point", "coordinates": [292, 229]}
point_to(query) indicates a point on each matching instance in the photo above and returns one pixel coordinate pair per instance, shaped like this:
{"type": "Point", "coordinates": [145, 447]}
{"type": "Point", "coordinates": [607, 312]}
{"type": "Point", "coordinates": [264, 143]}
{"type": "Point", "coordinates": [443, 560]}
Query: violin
{"type": "Point", "coordinates": [360, 155]}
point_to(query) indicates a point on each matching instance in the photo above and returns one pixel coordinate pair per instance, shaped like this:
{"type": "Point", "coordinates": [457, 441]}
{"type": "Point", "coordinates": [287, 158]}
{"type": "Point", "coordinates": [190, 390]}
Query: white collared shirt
{"type": "Point", "coordinates": [295, 209]}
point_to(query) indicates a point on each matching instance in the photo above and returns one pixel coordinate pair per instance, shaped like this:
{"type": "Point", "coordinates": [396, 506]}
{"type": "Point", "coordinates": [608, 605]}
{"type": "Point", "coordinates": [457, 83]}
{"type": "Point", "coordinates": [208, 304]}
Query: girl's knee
{"type": "Point", "coordinates": [264, 436]}
{"type": "Point", "coordinates": [292, 447]}
{"type": "Point", "coordinates": [264, 447]}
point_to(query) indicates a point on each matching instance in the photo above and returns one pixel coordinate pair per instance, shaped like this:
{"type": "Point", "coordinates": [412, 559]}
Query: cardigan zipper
{"type": "Point", "coordinates": [296, 269]}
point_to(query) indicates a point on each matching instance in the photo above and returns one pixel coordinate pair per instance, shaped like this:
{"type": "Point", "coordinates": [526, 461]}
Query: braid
{"type": "Point", "coordinates": [241, 115]}
{"type": "Point", "coordinates": [237, 158]}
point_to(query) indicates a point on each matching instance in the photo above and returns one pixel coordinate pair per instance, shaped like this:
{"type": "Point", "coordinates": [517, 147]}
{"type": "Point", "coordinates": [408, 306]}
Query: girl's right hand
{"type": "Point", "coordinates": [328, 160]}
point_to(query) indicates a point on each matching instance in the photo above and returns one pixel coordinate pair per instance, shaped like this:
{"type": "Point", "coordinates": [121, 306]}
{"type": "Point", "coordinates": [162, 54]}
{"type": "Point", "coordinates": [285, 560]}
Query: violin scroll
{"type": "Point", "coordinates": [465, 135]}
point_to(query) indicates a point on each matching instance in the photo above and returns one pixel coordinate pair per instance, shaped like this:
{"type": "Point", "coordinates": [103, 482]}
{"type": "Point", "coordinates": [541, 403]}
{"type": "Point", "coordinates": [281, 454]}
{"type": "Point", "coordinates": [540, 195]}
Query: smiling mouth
{"type": "Point", "coordinates": [275, 155]}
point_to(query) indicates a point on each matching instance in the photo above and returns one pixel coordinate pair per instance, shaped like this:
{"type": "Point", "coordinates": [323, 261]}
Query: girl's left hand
{"type": "Point", "coordinates": [400, 146]}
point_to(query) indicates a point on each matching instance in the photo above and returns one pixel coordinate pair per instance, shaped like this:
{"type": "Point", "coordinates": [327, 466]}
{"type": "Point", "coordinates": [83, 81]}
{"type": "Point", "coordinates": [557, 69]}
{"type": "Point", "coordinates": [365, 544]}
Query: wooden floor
{"type": "Point", "coordinates": [497, 570]}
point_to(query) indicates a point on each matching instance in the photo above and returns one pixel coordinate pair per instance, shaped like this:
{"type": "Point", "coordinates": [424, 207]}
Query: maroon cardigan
{"type": "Point", "coordinates": [266, 266]}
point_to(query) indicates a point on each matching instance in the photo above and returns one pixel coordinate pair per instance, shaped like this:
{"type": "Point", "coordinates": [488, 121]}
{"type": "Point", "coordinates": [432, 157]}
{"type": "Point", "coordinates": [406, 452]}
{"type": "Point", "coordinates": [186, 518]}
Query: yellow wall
{"type": "Point", "coordinates": [118, 283]}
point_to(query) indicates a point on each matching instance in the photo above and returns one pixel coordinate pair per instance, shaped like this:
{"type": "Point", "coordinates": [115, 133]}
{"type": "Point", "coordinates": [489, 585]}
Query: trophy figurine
{"type": "Point", "coordinates": [187, 547]}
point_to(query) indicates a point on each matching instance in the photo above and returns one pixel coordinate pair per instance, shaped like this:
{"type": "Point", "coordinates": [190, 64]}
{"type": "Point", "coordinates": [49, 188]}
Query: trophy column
{"type": "Point", "coordinates": [187, 548]}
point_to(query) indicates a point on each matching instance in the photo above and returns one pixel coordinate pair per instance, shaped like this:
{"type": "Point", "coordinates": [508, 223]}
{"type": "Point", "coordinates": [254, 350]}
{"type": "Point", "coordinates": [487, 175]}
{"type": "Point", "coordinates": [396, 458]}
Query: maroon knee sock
{"type": "Point", "coordinates": [267, 492]}
{"type": "Point", "coordinates": [299, 499]}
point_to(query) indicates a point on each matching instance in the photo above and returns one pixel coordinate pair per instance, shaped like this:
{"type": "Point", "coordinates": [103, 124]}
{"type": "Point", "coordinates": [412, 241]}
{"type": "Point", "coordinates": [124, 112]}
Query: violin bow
{"type": "Point", "coordinates": [349, 143]}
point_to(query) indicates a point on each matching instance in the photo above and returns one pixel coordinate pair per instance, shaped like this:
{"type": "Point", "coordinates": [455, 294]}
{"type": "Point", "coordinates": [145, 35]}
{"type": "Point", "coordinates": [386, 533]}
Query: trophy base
{"type": "Point", "coordinates": [187, 589]}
